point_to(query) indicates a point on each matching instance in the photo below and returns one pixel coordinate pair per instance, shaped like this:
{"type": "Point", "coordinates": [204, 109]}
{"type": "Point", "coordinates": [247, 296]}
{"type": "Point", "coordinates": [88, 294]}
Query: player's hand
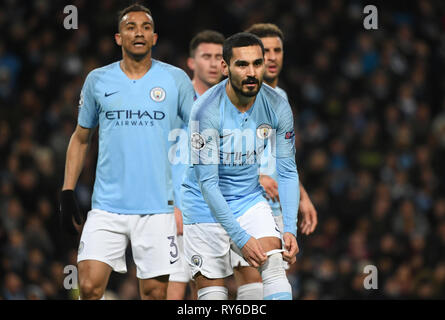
{"type": "Point", "coordinates": [290, 248]}
{"type": "Point", "coordinates": [70, 217]}
{"type": "Point", "coordinates": [179, 224]}
{"type": "Point", "coordinates": [254, 253]}
{"type": "Point", "coordinates": [308, 216]}
{"type": "Point", "coordinates": [270, 186]}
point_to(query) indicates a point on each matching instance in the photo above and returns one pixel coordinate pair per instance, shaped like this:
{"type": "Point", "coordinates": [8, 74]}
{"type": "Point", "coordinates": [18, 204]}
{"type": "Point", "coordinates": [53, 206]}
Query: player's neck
{"type": "Point", "coordinates": [135, 69]}
{"type": "Point", "coordinates": [273, 83]}
{"type": "Point", "coordinates": [199, 86]}
{"type": "Point", "coordinates": [242, 103]}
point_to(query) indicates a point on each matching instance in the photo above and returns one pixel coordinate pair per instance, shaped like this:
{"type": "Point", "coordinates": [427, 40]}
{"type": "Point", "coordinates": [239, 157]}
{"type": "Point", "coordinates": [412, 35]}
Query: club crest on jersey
{"type": "Point", "coordinates": [197, 141]}
{"type": "Point", "coordinates": [263, 131]}
{"type": "Point", "coordinates": [157, 94]}
{"type": "Point", "coordinates": [197, 260]}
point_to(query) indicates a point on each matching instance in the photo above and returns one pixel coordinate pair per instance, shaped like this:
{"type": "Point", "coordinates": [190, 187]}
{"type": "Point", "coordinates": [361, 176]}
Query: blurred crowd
{"type": "Point", "coordinates": [370, 116]}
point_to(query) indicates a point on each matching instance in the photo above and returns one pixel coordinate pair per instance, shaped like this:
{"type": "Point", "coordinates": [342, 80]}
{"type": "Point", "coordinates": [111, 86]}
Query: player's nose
{"type": "Point", "coordinates": [250, 70]}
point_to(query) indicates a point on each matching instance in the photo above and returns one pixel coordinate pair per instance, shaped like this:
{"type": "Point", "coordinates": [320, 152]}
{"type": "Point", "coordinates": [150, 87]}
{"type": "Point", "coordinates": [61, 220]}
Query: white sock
{"type": "Point", "coordinates": [213, 293]}
{"type": "Point", "coordinates": [275, 283]}
{"type": "Point", "coordinates": [250, 291]}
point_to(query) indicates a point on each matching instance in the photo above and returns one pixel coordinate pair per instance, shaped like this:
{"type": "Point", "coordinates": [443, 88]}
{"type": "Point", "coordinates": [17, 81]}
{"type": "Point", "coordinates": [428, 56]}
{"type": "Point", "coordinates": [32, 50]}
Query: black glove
{"type": "Point", "coordinates": [69, 209]}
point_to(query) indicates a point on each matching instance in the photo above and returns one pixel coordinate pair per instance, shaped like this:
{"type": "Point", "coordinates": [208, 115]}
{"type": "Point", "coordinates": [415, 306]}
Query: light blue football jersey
{"type": "Point", "coordinates": [268, 166]}
{"type": "Point", "coordinates": [226, 146]}
{"type": "Point", "coordinates": [133, 173]}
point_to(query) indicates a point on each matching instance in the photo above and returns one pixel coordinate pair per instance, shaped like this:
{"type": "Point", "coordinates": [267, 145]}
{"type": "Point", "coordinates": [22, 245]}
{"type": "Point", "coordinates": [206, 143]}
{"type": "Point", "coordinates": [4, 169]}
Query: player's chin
{"type": "Point", "coordinates": [141, 51]}
{"type": "Point", "coordinates": [211, 81]}
{"type": "Point", "coordinates": [251, 91]}
{"type": "Point", "coordinates": [270, 77]}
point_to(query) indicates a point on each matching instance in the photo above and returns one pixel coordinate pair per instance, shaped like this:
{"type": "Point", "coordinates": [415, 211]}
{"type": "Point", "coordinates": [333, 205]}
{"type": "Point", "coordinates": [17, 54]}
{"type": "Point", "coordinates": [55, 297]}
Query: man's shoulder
{"type": "Point", "coordinates": [282, 92]}
{"type": "Point", "coordinates": [170, 69]}
{"type": "Point", "coordinates": [271, 99]}
{"type": "Point", "coordinates": [273, 95]}
{"type": "Point", "coordinates": [207, 103]}
{"type": "Point", "coordinates": [97, 73]}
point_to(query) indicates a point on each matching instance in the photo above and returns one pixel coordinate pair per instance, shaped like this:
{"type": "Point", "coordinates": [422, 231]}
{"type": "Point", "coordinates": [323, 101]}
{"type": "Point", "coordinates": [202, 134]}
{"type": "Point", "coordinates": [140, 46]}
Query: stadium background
{"type": "Point", "coordinates": [369, 109]}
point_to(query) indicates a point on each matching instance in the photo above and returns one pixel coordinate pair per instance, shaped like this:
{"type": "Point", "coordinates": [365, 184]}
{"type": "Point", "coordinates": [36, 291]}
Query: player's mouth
{"type": "Point", "coordinates": [272, 68]}
{"type": "Point", "coordinates": [139, 44]}
{"type": "Point", "coordinates": [250, 83]}
{"type": "Point", "coordinates": [213, 74]}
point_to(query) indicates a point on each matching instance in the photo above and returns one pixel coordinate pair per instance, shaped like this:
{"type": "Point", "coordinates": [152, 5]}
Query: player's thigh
{"type": "Point", "coordinates": [246, 275]}
{"type": "Point", "coordinates": [93, 275]}
{"type": "Point", "coordinates": [270, 243]}
{"type": "Point", "coordinates": [203, 282]}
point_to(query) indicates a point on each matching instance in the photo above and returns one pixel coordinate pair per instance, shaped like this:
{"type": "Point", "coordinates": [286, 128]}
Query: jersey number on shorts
{"type": "Point", "coordinates": [174, 253]}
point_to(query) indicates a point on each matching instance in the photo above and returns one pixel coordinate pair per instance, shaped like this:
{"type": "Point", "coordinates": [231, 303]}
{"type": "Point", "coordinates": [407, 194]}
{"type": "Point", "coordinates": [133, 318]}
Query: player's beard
{"type": "Point", "coordinates": [239, 90]}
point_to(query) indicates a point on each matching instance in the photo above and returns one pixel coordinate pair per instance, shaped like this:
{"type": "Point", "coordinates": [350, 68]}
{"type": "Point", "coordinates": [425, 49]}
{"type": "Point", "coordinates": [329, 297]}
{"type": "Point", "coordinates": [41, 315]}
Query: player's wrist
{"type": "Point", "coordinates": [290, 233]}
{"type": "Point", "coordinates": [242, 242]}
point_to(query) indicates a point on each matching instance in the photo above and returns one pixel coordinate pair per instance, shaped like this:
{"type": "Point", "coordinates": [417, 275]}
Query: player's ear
{"type": "Point", "coordinates": [155, 38]}
{"type": "Point", "coordinates": [224, 68]}
{"type": "Point", "coordinates": [118, 39]}
{"type": "Point", "coordinates": [191, 63]}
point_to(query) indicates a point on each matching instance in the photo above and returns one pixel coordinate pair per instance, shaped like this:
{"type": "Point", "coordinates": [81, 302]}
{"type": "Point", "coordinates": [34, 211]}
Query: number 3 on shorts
{"type": "Point", "coordinates": [174, 252]}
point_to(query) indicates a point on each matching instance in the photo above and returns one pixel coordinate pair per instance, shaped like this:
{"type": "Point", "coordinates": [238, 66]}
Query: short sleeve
{"type": "Point", "coordinates": [88, 114]}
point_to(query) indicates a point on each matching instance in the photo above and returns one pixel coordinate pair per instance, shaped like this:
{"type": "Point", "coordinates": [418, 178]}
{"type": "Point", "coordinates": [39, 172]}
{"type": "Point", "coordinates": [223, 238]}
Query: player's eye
{"type": "Point", "coordinates": [241, 64]}
{"type": "Point", "coordinates": [258, 62]}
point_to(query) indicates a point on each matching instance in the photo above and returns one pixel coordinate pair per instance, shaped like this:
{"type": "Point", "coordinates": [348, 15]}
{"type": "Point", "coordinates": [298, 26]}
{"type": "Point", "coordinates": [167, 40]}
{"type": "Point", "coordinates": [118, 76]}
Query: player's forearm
{"type": "Point", "coordinates": [75, 158]}
{"type": "Point", "coordinates": [219, 207]}
{"type": "Point", "coordinates": [289, 192]}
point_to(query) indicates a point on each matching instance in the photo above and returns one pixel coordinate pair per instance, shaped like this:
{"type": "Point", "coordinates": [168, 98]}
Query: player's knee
{"type": "Point", "coordinates": [246, 275]}
{"type": "Point", "coordinates": [154, 293]}
{"type": "Point", "coordinates": [213, 293]}
{"type": "Point", "coordinates": [89, 290]}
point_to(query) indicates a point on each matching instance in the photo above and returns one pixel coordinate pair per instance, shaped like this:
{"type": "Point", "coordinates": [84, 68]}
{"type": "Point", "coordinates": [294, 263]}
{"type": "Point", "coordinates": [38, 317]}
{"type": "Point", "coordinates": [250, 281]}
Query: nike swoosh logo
{"type": "Point", "coordinates": [171, 262]}
{"type": "Point", "coordinates": [109, 94]}
{"type": "Point", "coordinates": [227, 135]}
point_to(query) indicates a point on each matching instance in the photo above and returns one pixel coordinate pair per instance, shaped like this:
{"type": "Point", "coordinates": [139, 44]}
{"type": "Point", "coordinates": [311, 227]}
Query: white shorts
{"type": "Point", "coordinates": [207, 246]}
{"type": "Point", "coordinates": [154, 247]}
{"type": "Point", "coordinates": [238, 260]}
{"type": "Point", "coordinates": [185, 275]}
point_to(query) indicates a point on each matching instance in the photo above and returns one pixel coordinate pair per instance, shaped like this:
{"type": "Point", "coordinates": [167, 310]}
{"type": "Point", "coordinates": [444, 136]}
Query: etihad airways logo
{"type": "Point", "coordinates": [134, 117]}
